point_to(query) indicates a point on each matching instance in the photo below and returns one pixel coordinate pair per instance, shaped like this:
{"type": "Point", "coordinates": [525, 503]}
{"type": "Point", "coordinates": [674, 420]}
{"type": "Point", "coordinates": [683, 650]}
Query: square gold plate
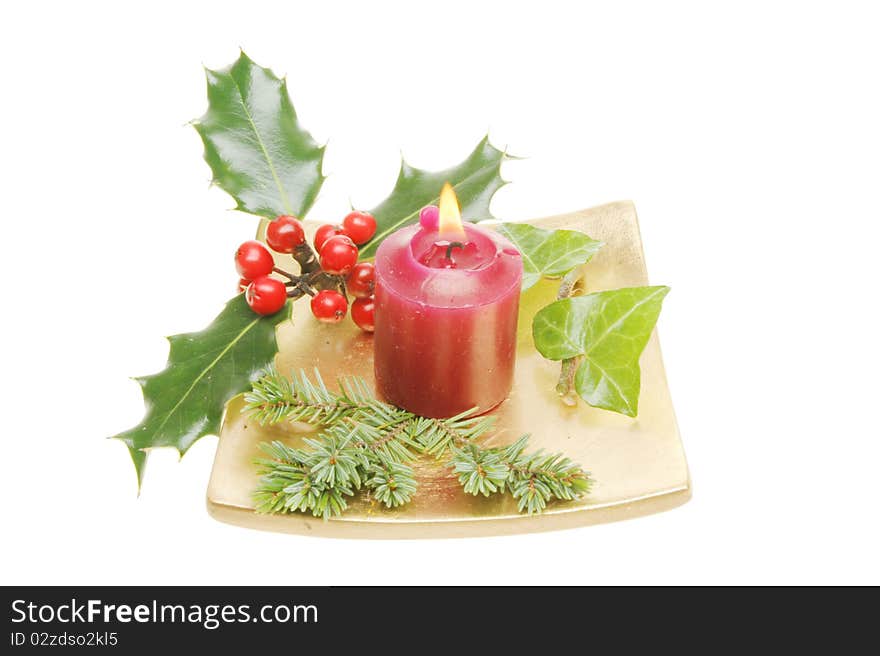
{"type": "Point", "coordinates": [638, 465]}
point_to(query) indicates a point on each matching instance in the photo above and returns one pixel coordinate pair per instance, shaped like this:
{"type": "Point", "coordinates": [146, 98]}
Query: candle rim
{"type": "Point", "coordinates": [501, 257]}
{"type": "Point", "coordinates": [465, 227]}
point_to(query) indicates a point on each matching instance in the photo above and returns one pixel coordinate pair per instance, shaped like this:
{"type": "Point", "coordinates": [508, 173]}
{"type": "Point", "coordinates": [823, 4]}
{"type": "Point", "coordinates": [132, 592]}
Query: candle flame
{"type": "Point", "coordinates": [450, 214]}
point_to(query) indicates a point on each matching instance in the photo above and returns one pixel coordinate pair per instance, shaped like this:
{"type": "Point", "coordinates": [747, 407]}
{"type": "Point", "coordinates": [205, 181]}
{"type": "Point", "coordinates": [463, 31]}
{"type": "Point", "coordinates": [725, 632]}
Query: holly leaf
{"type": "Point", "coordinates": [475, 181]}
{"type": "Point", "coordinates": [254, 144]}
{"type": "Point", "coordinates": [551, 253]}
{"type": "Point", "coordinates": [608, 331]}
{"type": "Point", "coordinates": [185, 401]}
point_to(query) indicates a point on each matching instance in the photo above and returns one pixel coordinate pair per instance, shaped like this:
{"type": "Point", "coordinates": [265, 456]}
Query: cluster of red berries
{"type": "Point", "coordinates": [337, 249]}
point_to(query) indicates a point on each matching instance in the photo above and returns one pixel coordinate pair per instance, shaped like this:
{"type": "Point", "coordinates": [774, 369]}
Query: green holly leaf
{"type": "Point", "coordinates": [475, 181]}
{"type": "Point", "coordinates": [254, 144]}
{"type": "Point", "coordinates": [551, 253]}
{"type": "Point", "coordinates": [608, 331]}
{"type": "Point", "coordinates": [185, 401]}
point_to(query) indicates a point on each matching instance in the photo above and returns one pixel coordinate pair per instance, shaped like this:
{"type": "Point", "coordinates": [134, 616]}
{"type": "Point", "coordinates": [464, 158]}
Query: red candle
{"type": "Point", "coordinates": [446, 308]}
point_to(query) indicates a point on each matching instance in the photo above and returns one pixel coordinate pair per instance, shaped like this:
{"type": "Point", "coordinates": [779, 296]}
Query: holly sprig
{"type": "Point", "coordinates": [367, 445]}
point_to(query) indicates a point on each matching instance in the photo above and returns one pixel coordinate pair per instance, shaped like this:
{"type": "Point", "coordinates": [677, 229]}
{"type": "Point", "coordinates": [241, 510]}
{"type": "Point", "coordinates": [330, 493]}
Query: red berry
{"type": "Point", "coordinates": [324, 233]}
{"type": "Point", "coordinates": [284, 234]}
{"type": "Point", "coordinates": [266, 295]}
{"type": "Point", "coordinates": [243, 283]}
{"type": "Point", "coordinates": [338, 255]}
{"type": "Point", "coordinates": [362, 313]}
{"type": "Point", "coordinates": [360, 226]}
{"type": "Point", "coordinates": [361, 280]}
{"type": "Point", "coordinates": [329, 306]}
{"type": "Point", "coordinates": [253, 260]}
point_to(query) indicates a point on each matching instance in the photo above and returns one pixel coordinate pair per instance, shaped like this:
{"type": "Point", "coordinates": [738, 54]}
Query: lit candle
{"type": "Point", "coordinates": [447, 297]}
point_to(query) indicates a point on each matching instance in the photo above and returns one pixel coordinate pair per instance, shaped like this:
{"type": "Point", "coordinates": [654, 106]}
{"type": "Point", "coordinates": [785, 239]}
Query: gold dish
{"type": "Point", "coordinates": [638, 465]}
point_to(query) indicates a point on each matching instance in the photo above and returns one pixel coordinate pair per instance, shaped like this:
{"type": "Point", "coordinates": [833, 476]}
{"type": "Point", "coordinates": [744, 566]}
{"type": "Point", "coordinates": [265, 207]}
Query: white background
{"type": "Point", "coordinates": [748, 137]}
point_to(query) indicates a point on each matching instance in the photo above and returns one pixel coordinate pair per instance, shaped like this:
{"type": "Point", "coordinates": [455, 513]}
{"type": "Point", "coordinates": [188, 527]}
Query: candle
{"type": "Point", "coordinates": [447, 297]}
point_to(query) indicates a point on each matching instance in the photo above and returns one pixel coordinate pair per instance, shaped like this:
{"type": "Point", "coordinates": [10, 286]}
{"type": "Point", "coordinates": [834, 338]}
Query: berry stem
{"type": "Point", "coordinates": [311, 283]}
{"type": "Point", "coordinates": [323, 280]}
{"type": "Point", "coordinates": [306, 257]}
{"type": "Point", "coordinates": [284, 273]}
{"type": "Point", "coordinates": [300, 291]}
{"type": "Point", "coordinates": [298, 286]}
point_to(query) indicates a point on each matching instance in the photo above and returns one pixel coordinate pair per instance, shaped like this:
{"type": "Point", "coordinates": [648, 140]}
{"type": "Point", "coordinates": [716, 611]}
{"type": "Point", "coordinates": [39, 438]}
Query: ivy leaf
{"type": "Point", "coordinates": [475, 181]}
{"type": "Point", "coordinates": [559, 328]}
{"type": "Point", "coordinates": [254, 144]}
{"type": "Point", "coordinates": [550, 253]}
{"type": "Point", "coordinates": [185, 401]}
{"type": "Point", "coordinates": [615, 335]}
{"type": "Point", "coordinates": [608, 331]}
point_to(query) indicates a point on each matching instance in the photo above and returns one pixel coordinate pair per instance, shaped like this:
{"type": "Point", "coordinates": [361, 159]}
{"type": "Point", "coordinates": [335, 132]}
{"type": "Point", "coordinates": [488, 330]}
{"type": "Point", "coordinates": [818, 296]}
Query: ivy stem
{"type": "Point", "coordinates": [572, 284]}
{"type": "Point", "coordinates": [565, 386]}
{"type": "Point", "coordinates": [569, 285]}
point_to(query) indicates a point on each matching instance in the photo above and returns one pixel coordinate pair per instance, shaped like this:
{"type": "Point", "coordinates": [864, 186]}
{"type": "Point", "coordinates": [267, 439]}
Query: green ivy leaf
{"type": "Point", "coordinates": [558, 329]}
{"type": "Point", "coordinates": [475, 181]}
{"type": "Point", "coordinates": [254, 144]}
{"type": "Point", "coordinates": [185, 401]}
{"type": "Point", "coordinates": [609, 331]}
{"type": "Point", "coordinates": [550, 253]}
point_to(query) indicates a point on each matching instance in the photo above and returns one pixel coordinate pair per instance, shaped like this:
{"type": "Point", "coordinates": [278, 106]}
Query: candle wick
{"type": "Point", "coordinates": [452, 244]}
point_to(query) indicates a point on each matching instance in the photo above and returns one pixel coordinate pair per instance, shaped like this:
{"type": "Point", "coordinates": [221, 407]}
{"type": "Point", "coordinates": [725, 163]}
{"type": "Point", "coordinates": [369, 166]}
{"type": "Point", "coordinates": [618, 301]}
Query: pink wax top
{"type": "Point", "coordinates": [446, 315]}
{"type": "Point", "coordinates": [413, 264]}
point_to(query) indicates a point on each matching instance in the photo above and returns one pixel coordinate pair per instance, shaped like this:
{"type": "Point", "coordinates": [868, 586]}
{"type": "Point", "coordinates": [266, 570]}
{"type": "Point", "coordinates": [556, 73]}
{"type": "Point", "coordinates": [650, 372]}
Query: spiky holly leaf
{"type": "Point", "coordinates": [475, 181]}
{"type": "Point", "coordinates": [254, 144]}
{"type": "Point", "coordinates": [609, 331]}
{"type": "Point", "coordinates": [185, 401]}
{"type": "Point", "coordinates": [550, 253]}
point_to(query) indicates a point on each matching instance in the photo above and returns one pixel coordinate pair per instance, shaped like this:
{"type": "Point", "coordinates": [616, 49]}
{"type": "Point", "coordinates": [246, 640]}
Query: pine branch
{"type": "Point", "coordinates": [287, 485]}
{"type": "Point", "coordinates": [533, 479]}
{"type": "Point", "coordinates": [335, 460]}
{"type": "Point", "coordinates": [388, 440]}
{"type": "Point", "coordinates": [436, 435]}
{"type": "Point", "coordinates": [480, 471]}
{"type": "Point", "coordinates": [391, 483]}
{"type": "Point", "coordinates": [275, 398]}
{"type": "Point", "coordinates": [367, 444]}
